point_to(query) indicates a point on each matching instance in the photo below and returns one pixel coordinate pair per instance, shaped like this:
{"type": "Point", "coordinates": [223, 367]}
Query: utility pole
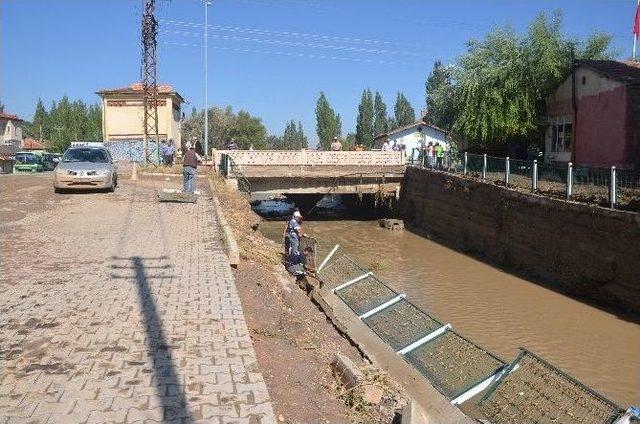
{"type": "Point", "coordinates": [207, 3]}
{"type": "Point", "coordinates": [149, 80]}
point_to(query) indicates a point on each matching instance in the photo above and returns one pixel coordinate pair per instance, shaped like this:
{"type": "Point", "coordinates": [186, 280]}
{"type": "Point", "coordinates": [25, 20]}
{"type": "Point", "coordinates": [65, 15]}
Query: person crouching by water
{"type": "Point", "coordinates": [190, 168]}
{"type": "Point", "coordinates": [297, 262]}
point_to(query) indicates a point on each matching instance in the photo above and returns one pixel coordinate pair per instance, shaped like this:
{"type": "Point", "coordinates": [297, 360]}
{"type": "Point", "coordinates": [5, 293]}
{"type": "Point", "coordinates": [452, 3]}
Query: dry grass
{"type": "Point", "coordinates": [244, 223]}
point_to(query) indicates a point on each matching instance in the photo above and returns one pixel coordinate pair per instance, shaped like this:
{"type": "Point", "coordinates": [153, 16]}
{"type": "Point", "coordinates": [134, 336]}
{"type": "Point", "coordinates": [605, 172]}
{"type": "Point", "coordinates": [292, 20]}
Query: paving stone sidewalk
{"type": "Point", "coordinates": [118, 308]}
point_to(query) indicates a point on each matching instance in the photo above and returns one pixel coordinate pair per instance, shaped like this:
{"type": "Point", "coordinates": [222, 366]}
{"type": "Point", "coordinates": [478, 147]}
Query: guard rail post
{"type": "Point", "coordinates": [464, 170]}
{"type": "Point", "coordinates": [484, 167]}
{"type": "Point", "coordinates": [569, 179]}
{"type": "Point", "coordinates": [534, 176]}
{"type": "Point", "coordinates": [506, 171]}
{"type": "Point", "coordinates": [613, 188]}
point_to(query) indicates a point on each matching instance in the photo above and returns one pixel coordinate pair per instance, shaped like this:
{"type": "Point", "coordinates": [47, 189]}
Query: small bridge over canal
{"type": "Point", "coordinates": [309, 172]}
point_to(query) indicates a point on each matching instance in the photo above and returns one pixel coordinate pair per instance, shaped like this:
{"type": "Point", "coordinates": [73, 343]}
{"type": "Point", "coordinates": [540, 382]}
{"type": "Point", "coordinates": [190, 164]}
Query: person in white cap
{"type": "Point", "coordinates": [336, 145]}
{"type": "Point", "coordinates": [294, 232]}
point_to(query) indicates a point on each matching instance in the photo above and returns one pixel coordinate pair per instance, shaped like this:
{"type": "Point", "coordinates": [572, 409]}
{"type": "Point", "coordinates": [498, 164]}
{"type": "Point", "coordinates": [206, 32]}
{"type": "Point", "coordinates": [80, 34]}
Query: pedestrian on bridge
{"type": "Point", "coordinates": [336, 145]}
{"type": "Point", "coordinates": [190, 168]}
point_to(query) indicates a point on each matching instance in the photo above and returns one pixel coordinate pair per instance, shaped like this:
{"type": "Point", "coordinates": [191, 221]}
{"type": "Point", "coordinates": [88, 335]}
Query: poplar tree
{"type": "Point", "coordinates": [380, 119]}
{"type": "Point", "coordinates": [439, 96]}
{"type": "Point", "coordinates": [328, 123]}
{"type": "Point", "coordinates": [364, 124]}
{"type": "Point", "coordinates": [403, 111]}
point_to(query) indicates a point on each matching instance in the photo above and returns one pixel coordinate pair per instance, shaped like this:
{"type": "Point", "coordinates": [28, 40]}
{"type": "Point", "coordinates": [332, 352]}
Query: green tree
{"type": "Point", "coordinates": [364, 124]}
{"type": "Point", "coordinates": [39, 121]}
{"type": "Point", "coordinates": [503, 81]}
{"type": "Point", "coordinates": [328, 122]}
{"type": "Point", "coordinates": [404, 113]}
{"type": "Point", "coordinates": [349, 141]}
{"type": "Point", "coordinates": [380, 118]}
{"type": "Point", "coordinates": [248, 131]}
{"type": "Point", "coordinates": [439, 96]}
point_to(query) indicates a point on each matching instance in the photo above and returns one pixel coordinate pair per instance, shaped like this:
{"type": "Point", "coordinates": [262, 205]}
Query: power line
{"type": "Point", "coordinates": [297, 44]}
{"type": "Point", "coordinates": [279, 33]}
{"type": "Point", "coordinates": [292, 54]}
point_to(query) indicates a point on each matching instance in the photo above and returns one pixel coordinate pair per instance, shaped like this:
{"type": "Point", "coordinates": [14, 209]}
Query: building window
{"type": "Point", "coordinates": [561, 136]}
{"type": "Point", "coordinates": [584, 80]}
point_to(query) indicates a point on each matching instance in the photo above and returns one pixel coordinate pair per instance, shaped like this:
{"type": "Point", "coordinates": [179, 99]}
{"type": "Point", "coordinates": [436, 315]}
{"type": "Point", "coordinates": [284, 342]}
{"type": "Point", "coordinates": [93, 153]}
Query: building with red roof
{"type": "Point", "coordinates": [122, 113]}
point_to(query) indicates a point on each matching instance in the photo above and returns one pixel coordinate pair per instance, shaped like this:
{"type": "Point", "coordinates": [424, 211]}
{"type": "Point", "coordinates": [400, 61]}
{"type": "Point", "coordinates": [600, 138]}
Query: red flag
{"type": "Point", "coordinates": [636, 22]}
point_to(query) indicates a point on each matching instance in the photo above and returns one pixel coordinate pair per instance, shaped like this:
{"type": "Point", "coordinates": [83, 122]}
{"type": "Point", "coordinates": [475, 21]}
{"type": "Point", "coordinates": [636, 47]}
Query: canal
{"type": "Point", "coordinates": [495, 309]}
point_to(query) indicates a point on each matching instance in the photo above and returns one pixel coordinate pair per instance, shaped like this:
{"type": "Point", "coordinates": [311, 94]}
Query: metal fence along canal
{"type": "Point", "coordinates": [612, 187]}
{"type": "Point", "coordinates": [528, 389]}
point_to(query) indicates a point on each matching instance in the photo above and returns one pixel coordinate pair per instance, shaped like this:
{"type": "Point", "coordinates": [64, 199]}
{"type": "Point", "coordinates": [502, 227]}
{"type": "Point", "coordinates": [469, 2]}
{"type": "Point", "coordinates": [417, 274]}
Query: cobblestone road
{"type": "Point", "coordinates": [116, 308]}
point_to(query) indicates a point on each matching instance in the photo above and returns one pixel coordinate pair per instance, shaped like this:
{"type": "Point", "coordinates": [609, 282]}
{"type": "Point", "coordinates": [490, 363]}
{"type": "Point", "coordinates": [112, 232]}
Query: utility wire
{"type": "Point", "coordinates": [280, 33]}
{"type": "Point", "coordinates": [295, 43]}
{"type": "Point", "coordinates": [291, 54]}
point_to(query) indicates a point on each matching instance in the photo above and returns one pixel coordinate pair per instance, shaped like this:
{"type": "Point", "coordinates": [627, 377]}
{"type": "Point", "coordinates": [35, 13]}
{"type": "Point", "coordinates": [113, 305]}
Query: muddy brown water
{"type": "Point", "coordinates": [493, 308]}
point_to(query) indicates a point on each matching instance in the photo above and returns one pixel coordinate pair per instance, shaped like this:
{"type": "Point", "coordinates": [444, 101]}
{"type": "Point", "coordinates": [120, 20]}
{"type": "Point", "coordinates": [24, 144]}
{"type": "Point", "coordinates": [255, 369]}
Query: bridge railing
{"type": "Point", "coordinates": [309, 157]}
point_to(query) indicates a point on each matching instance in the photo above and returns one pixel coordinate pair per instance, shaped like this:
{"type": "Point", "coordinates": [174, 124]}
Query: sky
{"type": "Point", "coordinates": [269, 57]}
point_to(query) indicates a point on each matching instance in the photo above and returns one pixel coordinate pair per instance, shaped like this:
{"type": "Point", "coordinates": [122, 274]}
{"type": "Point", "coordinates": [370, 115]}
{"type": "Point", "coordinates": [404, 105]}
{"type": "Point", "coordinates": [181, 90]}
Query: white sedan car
{"type": "Point", "coordinates": [85, 167]}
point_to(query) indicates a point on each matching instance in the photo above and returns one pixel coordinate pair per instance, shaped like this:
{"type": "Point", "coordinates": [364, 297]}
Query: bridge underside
{"type": "Point", "coordinates": [323, 179]}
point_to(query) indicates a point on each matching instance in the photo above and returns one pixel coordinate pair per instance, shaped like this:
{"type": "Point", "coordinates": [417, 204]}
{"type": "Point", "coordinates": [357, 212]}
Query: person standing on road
{"type": "Point", "coordinates": [190, 168]}
{"type": "Point", "coordinates": [336, 145]}
{"type": "Point", "coordinates": [167, 153]}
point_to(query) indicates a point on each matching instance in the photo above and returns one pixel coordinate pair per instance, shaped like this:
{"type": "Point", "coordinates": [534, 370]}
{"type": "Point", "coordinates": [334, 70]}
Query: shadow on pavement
{"type": "Point", "coordinates": [166, 381]}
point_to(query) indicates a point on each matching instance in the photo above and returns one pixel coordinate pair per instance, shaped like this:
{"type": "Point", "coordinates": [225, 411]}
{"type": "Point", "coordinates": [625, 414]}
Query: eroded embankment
{"type": "Point", "coordinates": [586, 251]}
{"type": "Point", "coordinates": [294, 342]}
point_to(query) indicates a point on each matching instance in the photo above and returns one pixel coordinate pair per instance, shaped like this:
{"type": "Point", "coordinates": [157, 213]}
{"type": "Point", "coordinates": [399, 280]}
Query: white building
{"type": "Point", "coordinates": [10, 130]}
{"type": "Point", "coordinates": [413, 135]}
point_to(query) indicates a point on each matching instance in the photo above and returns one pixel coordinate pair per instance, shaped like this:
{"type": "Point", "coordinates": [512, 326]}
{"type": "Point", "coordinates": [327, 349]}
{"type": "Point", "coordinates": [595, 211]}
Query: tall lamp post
{"type": "Point", "coordinates": [207, 3]}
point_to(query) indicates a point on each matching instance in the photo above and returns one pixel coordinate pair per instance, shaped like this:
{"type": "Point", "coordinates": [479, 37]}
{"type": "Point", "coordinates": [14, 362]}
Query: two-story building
{"type": "Point", "coordinates": [123, 111]}
{"type": "Point", "coordinates": [10, 130]}
{"type": "Point", "coordinates": [593, 117]}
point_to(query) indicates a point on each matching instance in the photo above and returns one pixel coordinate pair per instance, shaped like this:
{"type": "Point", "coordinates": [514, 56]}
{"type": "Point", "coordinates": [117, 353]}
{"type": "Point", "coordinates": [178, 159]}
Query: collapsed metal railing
{"type": "Point", "coordinates": [230, 169]}
{"type": "Point", "coordinates": [528, 389]}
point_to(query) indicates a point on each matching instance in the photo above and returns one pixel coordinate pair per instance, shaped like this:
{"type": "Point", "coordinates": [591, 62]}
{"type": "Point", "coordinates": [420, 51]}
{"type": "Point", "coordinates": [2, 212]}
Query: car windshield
{"type": "Point", "coordinates": [85, 155]}
{"type": "Point", "coordinates": [26, 158]}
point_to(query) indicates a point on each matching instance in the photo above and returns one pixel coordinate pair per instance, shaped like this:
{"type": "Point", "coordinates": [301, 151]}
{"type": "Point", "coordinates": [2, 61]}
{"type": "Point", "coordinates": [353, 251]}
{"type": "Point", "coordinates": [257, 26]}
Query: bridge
{"type": "Point", "coordinates": [310, 172]}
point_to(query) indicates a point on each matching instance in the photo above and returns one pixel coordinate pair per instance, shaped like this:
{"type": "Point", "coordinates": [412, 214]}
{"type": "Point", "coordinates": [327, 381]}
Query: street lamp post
{"type": "Point", "coordinates": [207, 3]}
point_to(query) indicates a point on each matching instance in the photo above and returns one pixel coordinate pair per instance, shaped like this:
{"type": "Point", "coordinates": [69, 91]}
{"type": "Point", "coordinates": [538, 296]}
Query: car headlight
{"type": "Point", "coordinates": [103, 172]}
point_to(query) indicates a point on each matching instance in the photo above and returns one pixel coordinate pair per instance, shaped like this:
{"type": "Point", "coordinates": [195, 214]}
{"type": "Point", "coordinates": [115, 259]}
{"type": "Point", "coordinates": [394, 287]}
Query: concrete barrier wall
{"type": "Point", "coordinates": [586, 251]}
{"type": "Point", "coordinates": [309, 157]}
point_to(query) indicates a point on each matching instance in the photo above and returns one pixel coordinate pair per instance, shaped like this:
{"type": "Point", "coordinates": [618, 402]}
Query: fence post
{"type": "Point", "coordinates": [569, 179]}
{"type": "Point", "coordinates": [506, 171]}
{"type": "Point", "coordinates": [465, 163]}
{"type": "Point", "coordinates": [613, 188]}
{"type": "Point", "coordinates": [484, 166]}
{"type": "Point", "coordinates": [534, 176]}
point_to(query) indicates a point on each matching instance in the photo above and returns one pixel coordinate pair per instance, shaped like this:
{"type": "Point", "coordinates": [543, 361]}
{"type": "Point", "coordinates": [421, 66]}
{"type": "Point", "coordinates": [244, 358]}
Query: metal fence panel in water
{"type": "Point", "coordinates": [537, 392]}
{"type": "Point", "coordinates": [339, 271]}
{"type": "Point", "coordinates": [401, 324]}
{"type": "Point", "coordinates": [366, 294]}
{"type": "Point", "coordinates": [453, 364]}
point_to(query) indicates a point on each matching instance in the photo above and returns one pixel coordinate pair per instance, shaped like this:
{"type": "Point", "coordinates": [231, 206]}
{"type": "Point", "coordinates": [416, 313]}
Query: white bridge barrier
{"type": "Point", "coordinates": [310, 157]}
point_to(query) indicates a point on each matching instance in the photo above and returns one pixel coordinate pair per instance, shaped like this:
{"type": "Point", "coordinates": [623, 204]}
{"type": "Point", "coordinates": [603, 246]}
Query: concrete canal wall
{"type": "Point", "coordinates": [586, 251]}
